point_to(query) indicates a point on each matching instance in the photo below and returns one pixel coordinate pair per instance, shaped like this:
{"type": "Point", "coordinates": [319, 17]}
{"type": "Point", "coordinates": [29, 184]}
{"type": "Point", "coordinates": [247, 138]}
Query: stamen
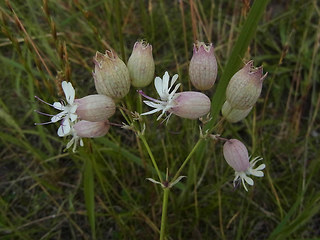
{"type": "Point", "coordinates": [45, 114]}
{"type": "Point", "coordinates": [115, 124]}
{"type": "Point", "coordinates": [45, 123]}
{"type": "Point", "coordinates": [43, 101]}
{"type": "Point", "coordinates": [150, 98]}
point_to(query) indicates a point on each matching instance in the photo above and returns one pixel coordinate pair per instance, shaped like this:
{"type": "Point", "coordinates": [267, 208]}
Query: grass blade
{"type": "Point", "coordinates": [89, 195]}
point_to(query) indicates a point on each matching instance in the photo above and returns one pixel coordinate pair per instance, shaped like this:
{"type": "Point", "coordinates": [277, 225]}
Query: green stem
{"type": "Point", "coordinates": [187, 159]}
{"type": "Point", "coordinates": [151, 156]}
{"type": "Point", "coordinates": [164, 213]}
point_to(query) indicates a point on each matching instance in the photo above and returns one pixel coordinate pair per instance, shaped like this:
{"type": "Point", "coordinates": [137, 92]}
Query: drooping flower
{"type": "Point", "coordinates": [68, 110]}
{"type": "Point", "coordinates": [245, 87]}
{"type": "Point", "coordinates": [95, 108]}
{"type": "Point", "coordinates": [141, 64]}
{"type": "Point", "coordinates": [166, 93]}
{"type": "Point", "coordinates": [86, 129]}
{"type": "Point", "coordinates": [203, 67]}
{"type": "Point", "coordinates": [236, 155]}
{"type": "Point", "coordinates": [191, 105]}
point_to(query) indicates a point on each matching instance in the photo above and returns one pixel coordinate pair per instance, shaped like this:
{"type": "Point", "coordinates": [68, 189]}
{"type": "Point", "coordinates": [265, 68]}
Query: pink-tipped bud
{"type": "Point", "coordinates": [236, 155]}
{"type": "Point", "coordinates": [141, 64]}
{"type": "Point", "coordinates": [245, 86]}
{"type": "Point", "coordinates": [234, 115]}
{"type": "Point", "coordinates": [191, 105]}
{"type": "Point", "coordinates": [86, 129]}
{"type": "Point", "coordinates": [95, 108]}
{"type": "Point", "coordinates": [203, 66]}
{"type": "Point", "coordinates": [111, 75]}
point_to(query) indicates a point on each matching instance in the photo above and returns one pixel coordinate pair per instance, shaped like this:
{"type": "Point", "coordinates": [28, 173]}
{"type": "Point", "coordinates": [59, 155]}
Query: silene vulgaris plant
{"type": "Point", "coordinates": [90, 116]}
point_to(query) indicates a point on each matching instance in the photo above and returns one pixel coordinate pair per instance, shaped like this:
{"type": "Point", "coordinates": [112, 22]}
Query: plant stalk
{"type": "Point", "coordinates": [155, 165]}
{"type": "Point", "coordinates": [187, 159]}
{"type": "Point", "coordinates": [164, 213]}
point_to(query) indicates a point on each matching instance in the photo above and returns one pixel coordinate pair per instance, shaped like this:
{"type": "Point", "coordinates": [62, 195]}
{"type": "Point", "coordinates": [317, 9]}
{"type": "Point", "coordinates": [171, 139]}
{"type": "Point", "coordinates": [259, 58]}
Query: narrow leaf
{"type": "Point", "coordinates": [89, 195]}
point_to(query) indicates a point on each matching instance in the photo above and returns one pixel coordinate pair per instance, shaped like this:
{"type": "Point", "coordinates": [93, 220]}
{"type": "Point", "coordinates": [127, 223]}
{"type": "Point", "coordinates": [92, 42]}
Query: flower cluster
{"type": "Point", "coordinates": [86, 117]}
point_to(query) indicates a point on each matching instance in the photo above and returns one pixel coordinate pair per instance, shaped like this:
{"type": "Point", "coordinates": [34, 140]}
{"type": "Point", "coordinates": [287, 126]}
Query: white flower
{"type": "Point", "coordinates": [236, 155]}
{"type": "Point", "coordinates": [167, 95]}
{"type": "Point", "coordinates": [74, 140]}
{"type": "Point", "coordinates": [244, 175]}
{"type": "Point", "coordinates": [68, 110]}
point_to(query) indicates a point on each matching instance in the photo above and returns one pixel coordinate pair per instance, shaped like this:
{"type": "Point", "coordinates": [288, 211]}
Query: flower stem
{"type": "Point", "coordinates": [187, 159]}
{"type": "Point", "coordinates": [164, 213]}
{"type": "Point", "coordinates": [155, 165]}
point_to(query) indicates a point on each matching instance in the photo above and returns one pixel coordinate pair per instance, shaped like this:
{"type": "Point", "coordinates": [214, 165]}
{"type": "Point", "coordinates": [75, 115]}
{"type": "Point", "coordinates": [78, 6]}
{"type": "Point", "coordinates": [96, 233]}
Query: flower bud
{"type": "Point", "coordinates": [203, 66]}
{"type": "Point", "coordinates": [236, 155]}
{"type": "Point", "coordinates": [86, 129]}
{"type": "Point", "coordinates": [191, 105]}
{"type": "Point", "coordinates": [111, 75]}
{"type": "Point", "coordinates": [95, 108]}
{"type": "Point", "coordinates": [141, 64]}
{"type": "Point", "coordinates": [245, 87]}
{"type": "Point", "coordinates": [234, 115]}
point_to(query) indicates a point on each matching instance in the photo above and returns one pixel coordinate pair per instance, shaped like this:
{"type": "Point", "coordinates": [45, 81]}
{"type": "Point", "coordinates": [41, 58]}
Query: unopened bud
{"type": "Point", "coordinates": [234, 115]}
{"type": "Point", "coordinates": [86, 129]}
{"type": "Point", "coordinates": [236, 155]}
{"type": "Point", "coordinates": [111, 75]}
{"type": "Point", "coordinates": [141, 64]}
{"type": "Point", "coordinates": [95, 108]}
{"type": "Point", "coordinates": [203, 66]}
{"type": "Point", "coordinates": [245, 86]}
{"type": "Point", "coordinates": [191, 105]}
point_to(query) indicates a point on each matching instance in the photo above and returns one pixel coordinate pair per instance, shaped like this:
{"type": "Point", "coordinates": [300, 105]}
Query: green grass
{"type": "Point", "coordinates": [101, 192]}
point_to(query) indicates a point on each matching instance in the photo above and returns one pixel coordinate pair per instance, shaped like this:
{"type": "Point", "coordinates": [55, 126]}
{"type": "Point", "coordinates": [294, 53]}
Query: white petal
{"type": "Point", "coordinates": [75, 145]}
{"type": "Point", "coordinates": [174, 91]}
{"type": "Point", "coordinates": [60, 131]}
{"type": "Point", "coordinates": [58, 105]}
{"type": "Point", "coordinates": [73, 109]}
{"type": "Point", "coordinates": [81, 142]}
{"type": "Point", "coordinates": [64, 128]}
{"type": "Point", "coordinates": [73, 117]}
{"type": "Point", "coordinates": [244, 185]}
{"type": "Point", "coordinates": [173, 80]}
{"type": "Point", "coordinates": [58, 117]}
{"type": "Point", "coordinates": [248, 180]}
{"type": "Point", "coordinates": [68, 91]}
{"type": "Point", "coordinates": [158, 85]}
{"type": "Point", "coordinates": [165, 82]}
{"type": "Point", "coordinates": [160, 116]}
{"type": "Point", "coordinates": [151, 112]}
{"type": "Point", "coordinates": [152, 104]}
{"type": "Point", "coordinates": [257, 173]}
{"type": "Point", "coordinates": [254, 161]}
{"type": "Point", "coordinates": [69, 144]}
{"type": "Point", "coordinates": [261, 167]}
{"type": "Point", "coordinates": [166, 119]}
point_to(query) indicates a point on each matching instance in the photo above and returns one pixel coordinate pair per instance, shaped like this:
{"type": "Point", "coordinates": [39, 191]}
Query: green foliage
{"type": "Point", "coordinates": [101, 192]}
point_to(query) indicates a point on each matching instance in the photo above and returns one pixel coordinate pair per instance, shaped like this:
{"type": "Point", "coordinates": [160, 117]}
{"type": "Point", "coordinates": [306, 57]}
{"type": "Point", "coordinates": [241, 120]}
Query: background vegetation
{"type": "Point", "coordinates": [101, 192]}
